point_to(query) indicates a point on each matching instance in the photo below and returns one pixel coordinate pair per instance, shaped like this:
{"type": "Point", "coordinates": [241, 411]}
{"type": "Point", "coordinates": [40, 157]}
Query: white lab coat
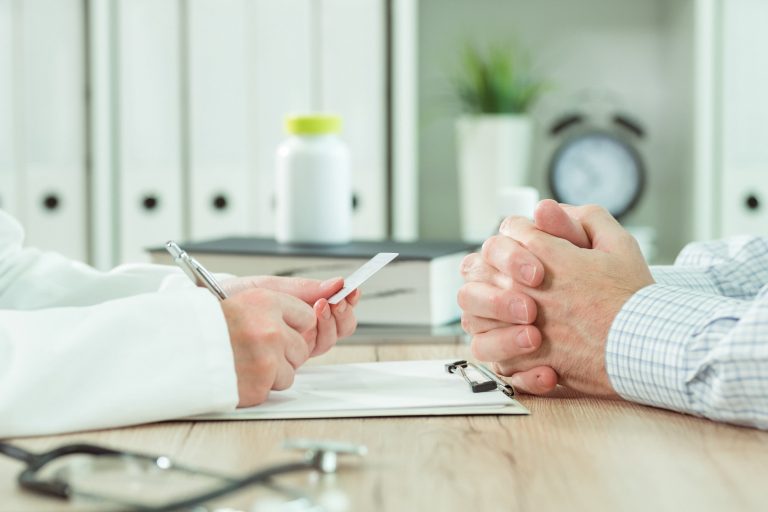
{"type": "Point", "coordinates": [82, 349]}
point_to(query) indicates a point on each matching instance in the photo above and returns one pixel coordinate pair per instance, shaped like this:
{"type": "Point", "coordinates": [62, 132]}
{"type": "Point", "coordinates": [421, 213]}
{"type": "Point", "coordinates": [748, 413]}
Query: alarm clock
{"type": "Point", "coordinates": [595, 164]}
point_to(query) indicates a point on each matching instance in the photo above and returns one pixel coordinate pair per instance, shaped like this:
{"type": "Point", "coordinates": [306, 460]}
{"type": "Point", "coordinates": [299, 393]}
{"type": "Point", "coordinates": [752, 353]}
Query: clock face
{"type": "Point", "coordinates": [597, 168]}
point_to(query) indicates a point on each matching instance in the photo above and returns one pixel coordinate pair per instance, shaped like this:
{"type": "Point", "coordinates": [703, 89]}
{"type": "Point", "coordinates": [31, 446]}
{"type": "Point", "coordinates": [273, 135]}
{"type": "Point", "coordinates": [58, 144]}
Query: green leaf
{"type": "Point", "coordinates": [496, 81]}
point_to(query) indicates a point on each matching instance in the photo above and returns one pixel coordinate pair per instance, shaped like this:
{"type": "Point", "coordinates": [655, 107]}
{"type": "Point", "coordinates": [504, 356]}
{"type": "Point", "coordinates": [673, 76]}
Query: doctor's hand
{"type": "Point", "coordinates": [333, 321]}
{"type": "Point", "coordinates": [266, 331]}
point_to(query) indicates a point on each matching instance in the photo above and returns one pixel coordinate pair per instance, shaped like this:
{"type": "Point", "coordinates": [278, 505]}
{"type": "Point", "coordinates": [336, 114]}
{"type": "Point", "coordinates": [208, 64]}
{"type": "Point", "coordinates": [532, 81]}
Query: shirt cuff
{"type": "Point", "coordinates": [646, 349]}
{"type": "Point", "coordinates": [692, 278]}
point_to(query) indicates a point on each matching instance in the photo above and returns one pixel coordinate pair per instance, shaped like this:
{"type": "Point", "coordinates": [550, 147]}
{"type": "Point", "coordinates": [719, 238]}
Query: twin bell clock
{"type": "Point", "coordinates": [597, 162]}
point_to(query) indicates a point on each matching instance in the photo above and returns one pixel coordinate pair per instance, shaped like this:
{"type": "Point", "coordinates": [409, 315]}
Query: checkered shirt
{"type": "Point", "coordinates": [697, 340]}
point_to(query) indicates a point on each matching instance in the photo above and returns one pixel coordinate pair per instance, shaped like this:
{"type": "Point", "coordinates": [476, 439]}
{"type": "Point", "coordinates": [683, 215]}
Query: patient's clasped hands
{"type": "Point", "coordinates": [540, 297]}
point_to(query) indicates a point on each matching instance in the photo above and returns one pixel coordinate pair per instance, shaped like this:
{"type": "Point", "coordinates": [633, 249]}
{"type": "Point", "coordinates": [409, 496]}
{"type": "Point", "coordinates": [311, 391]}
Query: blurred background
{"type": "Point", "coordinates": [124, 123]}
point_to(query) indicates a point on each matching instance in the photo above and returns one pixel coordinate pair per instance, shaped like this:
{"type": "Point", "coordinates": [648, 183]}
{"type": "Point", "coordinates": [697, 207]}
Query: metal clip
{"type": "Point", "coordinates": [323, 455]}
{"type": "Point", "coordinates": [493, 382]}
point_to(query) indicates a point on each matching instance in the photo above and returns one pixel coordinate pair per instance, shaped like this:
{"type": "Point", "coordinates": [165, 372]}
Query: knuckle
{"type": "Point", "coordinates": [270, 333]}
{"type": "Point", "coordinates": [303, 282]}
{"type": "Point", "coordinates": [476, 348]}
{"type": "Point", "coordinates": [261, 295]}
{"type": "Point", "coordinates": [265, 364]}
{"type": "Point", "coordinates": [258, 395]}
{"type": "Point", "coordinates": [462, 297]}
{"type": "Point", "coordinates": [512, 224]}
{"type": "Point", "coordinates": [490, 246]}
{"type": "Point", "coordinates": [593, 209]}
{"type": "Point", "coordinates": [466, 323]}
{"type": "Point", "coordinates": [352, 327]}
{"type": "Point", "coordinates": [285, 382]}
{"type": "Point", "coordinates": [467, 263]}
{"type": "Point", "coordinates": [499, 305]}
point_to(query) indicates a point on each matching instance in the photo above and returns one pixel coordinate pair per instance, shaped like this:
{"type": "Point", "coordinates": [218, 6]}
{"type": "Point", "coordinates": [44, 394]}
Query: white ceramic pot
{"type": "Point", "coordinates": [493, 153]}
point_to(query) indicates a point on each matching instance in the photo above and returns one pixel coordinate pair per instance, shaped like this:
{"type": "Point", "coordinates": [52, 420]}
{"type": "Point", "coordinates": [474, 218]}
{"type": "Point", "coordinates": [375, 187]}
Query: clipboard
{"type": "Point", "coordinates": [380, 389]}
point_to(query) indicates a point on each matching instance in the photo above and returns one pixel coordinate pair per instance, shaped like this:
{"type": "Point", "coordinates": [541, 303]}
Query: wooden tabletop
{"type": "Point", "coordinates": [571, 453]}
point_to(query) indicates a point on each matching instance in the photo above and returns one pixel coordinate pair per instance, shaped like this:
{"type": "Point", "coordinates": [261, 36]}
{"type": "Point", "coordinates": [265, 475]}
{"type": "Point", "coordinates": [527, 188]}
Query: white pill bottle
{"type": "Point", "coordinates": [313, 183]}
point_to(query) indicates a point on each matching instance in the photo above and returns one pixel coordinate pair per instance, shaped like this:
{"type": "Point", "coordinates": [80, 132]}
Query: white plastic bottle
{"type": "Point", "coordinates": [314, 189]}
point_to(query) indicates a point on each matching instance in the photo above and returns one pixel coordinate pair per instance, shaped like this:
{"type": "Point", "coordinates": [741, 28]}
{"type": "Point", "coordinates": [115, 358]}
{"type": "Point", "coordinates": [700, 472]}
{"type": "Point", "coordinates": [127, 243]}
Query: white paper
{"type": "Point", "coordinates": [396, 388]}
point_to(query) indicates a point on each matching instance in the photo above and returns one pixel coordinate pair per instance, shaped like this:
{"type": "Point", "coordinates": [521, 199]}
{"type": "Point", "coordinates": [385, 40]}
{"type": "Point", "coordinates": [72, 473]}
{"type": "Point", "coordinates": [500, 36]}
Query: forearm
{"type": "Point", "coordinates": [140, 359]}
{"type": "Point", "coordinates": [692, 352]}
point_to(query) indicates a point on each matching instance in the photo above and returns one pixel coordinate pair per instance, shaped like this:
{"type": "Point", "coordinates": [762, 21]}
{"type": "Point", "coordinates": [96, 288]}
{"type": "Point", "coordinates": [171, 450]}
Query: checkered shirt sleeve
{"type": "Point", "coordinates": [697, 341]}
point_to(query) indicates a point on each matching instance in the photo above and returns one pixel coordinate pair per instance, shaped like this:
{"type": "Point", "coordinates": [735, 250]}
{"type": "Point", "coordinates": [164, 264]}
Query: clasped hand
{"type": "Point", "coordinates": [277, 323]}
{"type": "Point", "coordinates": [540, 297]}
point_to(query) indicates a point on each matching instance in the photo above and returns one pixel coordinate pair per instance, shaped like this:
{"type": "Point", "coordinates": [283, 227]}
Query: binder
{"type": "Point", "coordinates": [352, 82]}
{"type": "Point", "coordinates": [220, 140]}
{"type": "Point", "coordinates": [744, 168]}
{"type": "Point", "coordinates": [149, 112]}
{"type": "Point", "coordinates": [281, 82]}
{"type": "Point", "coordinates": [52, 101]}
{"type": "Point", "coordinates": [8, 157]}
{"type": "Point", "coordinates": [380, 389]}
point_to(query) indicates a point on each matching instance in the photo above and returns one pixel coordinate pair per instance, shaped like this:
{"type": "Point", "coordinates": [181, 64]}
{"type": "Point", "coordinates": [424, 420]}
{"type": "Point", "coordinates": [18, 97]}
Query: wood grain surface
{"type": "Point", "coordinates": [571, 453]}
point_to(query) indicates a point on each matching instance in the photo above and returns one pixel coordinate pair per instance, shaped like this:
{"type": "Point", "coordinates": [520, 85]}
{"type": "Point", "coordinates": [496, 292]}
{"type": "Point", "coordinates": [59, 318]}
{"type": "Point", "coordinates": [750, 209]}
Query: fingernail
{"type": "Point", "coordinates": [329, 282]}
{"type": "Point", "coordinates": [523, 339]}
{"type": "Point", "coordinates": [326, 311]}
{"type": "Point", "coordinates": [528, 272]}
{"type": "Point", "coordinates": [342, 307]}
{"type": "Point", "coordinates": [519, 310]}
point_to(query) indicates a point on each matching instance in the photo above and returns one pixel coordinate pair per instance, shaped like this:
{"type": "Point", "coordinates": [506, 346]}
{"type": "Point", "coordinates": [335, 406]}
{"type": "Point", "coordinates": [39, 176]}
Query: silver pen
{"type": "Point", "coordinates": [196, 272]}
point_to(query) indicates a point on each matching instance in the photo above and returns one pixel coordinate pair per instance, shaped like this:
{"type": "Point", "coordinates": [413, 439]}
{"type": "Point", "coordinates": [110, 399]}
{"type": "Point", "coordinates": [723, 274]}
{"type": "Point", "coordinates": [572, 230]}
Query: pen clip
{"type": "Point", "coordinates": [194, 270]}
{"type": "Point", "coordinates": [493, 382]}
{"type": "Point", "coordinates": [182, 260]}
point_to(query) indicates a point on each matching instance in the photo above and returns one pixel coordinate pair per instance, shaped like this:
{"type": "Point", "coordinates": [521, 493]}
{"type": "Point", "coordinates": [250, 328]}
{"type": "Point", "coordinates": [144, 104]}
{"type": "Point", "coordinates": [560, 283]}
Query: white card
{"type": "Point", "coordinates": [362, 274]}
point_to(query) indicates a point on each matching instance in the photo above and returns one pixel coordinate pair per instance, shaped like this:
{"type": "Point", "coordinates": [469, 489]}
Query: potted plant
{"type": "Point", "coordinates": [496, 90]}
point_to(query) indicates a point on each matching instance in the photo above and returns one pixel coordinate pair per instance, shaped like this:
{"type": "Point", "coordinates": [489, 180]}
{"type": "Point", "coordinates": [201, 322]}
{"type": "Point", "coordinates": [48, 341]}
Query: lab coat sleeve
{"type": "Point", "coordinates": [32, 279]}
{"type": "Point", "coordinates": [137, 359]}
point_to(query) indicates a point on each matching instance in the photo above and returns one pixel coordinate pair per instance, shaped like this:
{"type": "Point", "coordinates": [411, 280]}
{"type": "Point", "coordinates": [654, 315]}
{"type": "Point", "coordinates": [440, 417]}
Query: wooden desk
{"type": "Point", "coordinates": [570, 454]}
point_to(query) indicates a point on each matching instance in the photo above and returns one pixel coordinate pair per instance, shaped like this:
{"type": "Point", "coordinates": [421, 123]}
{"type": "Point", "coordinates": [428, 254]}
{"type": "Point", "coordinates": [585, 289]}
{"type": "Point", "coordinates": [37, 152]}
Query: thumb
{"type": "Point", "coordinates": [552, 218]}
{"type": "Point", "coordinates": [304, 289]}
{"type": "Point", "coordinates": [599, 225]}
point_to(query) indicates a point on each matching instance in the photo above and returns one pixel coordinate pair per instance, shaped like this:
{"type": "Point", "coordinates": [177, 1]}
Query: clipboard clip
{"type": "Point", "coordinates": [493, 381]}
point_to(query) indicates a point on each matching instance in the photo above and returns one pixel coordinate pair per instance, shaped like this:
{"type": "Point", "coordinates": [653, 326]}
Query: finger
{"type": "Point", "coordinates": [475, 269]}
{"type": "Point", "coordinates": [306, 290]}
{"type": "Point", "coordinates": [295, 348]}
{"type": "Point", "coordinates": [600, 226]}
{"type": "Point", "coordinates": [512, 259]}
{"type": "Point", "coordinates": [506, 343]}
{"type": "Point", "coordinates": [310, 338]}
{"type": "Point", "coordinates": [346, 322]}
{"type": "Point", "coordinates": [296, 314]}
{"type": "Point", "coordinates": [540, 244]}
{"type": "Point", "coordinates": [536, 381]}
{"type": "Point", "coordinates": [284, 376]}
{"type": "Point", "coordinates": [484, 300]}
{"type": "Point", "coordinates": [552, 218]}
{"type": "Point", "coordinates": [354, 298]}
{"type": "Point", "coordinates": [475, 325]}
{"type": "Point", "coordinates": [326, 328]}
